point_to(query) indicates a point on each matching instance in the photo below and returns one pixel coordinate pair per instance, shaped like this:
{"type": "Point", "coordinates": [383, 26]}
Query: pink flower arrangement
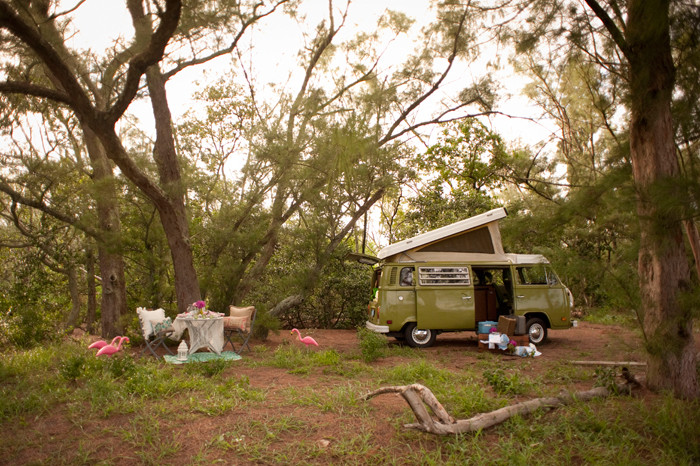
{"type": "Point", "coordinates": [200, 304]}
{"type": "Point", "coordinates": [511, 346]}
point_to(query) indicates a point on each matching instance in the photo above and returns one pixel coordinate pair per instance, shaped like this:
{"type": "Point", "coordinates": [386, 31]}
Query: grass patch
{"type": "Point", "coordinates": [626, 318]}
{"type": "Point", "coordinates": [62, 405]}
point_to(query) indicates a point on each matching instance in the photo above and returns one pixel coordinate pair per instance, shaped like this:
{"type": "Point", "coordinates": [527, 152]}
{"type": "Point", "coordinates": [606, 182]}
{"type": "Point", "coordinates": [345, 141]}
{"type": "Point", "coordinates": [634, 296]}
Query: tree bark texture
{"type": "Point", "coordinates": [419, 398]}
{"type": "Point", "coordinates": [111, 262]}
{"type": "Point", "coordinates": [663, 266]}
{"type": "Point", "coordinates": [91, 290]}
{"type": "Point", "coordinates": [173, 214]}
{"type": "Point", "coordinates": [74, 288]}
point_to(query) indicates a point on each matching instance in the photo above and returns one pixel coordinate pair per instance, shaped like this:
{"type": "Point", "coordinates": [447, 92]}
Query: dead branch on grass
{"type": "Point", "coordinates": [441, 423]}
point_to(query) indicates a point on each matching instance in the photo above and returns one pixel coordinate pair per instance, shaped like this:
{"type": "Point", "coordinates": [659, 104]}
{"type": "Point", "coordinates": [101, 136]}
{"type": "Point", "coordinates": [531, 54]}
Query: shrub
{"type": "Point", "coordinates": [504, 384]}
{"type": "Point", "coordinates": [372, 345]}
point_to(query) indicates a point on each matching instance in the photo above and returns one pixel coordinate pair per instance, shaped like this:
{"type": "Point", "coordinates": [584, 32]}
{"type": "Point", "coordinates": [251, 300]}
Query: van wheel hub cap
{"type": "Point", "coordinates": [421, 335]}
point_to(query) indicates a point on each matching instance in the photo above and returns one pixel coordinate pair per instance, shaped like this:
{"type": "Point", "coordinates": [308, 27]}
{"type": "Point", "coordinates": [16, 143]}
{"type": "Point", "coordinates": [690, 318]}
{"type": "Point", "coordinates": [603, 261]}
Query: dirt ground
{"type": "Point", "coordinates": [56, 432]}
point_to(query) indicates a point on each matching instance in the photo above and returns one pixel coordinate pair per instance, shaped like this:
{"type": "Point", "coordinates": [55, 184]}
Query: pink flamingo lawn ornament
{"type": "Point", "coordinates": [111, 349]}
{"type": "Point", "coordinates": [99, 344]}
{"type": "Point", "coordinates": [307, 340]}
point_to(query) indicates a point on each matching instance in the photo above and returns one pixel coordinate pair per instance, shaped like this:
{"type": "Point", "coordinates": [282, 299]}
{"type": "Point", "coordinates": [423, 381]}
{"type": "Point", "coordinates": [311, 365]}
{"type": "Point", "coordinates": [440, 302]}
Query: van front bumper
{"type": "Point", "coordinates": [377, 328]}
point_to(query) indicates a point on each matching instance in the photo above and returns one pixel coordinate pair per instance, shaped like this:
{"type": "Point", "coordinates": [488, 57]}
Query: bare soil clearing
{"type": "Point", "coordinates": [55, 437]}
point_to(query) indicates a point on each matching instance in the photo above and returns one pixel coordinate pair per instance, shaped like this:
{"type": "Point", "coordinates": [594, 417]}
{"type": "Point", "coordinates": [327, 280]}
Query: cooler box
{"type": "Point", "coordinates": [485, 326]}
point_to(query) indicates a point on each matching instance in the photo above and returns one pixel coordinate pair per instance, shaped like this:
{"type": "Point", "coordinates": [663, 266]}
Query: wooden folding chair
{"type": "Point", "coordinates": [155, 329]}
{"type": "Point", "coordinates": [239, 326]}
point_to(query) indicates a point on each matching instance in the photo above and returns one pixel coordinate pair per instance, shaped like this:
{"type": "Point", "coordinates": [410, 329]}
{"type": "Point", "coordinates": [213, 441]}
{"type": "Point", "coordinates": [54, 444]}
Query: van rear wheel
{"type": "Point", "coordinates": [419, 338]}
{"type": "Point", "coordinates": [536, 330]}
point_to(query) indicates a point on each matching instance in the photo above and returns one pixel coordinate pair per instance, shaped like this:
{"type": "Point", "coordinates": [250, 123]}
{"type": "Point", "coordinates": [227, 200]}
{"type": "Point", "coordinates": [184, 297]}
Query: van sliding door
{"type": "Point", "coordinates": [445, 298]}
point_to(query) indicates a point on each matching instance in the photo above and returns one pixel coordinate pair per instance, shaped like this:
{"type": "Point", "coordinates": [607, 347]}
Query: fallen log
{"type": "Point", "coordinates": [441, 423]}
{"type": "Point", "coordinates": [608, 363]}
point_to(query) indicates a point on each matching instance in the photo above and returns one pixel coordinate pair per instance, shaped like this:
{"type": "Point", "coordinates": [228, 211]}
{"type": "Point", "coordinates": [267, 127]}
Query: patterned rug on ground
{"type": "Point", "coordinates": [203, 357]}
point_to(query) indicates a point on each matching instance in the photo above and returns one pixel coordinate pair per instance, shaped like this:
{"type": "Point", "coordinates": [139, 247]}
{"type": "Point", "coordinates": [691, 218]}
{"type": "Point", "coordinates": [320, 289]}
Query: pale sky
{"type": "Point", "coordinates": [280, 49]}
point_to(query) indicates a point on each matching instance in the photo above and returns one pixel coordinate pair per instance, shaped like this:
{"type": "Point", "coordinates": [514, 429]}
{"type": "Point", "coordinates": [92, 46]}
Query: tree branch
{"type": "Point", "coordinates": [436, 85]}
{"type": "Point", "coordinates": [441, 423]}
{"type": "Point", "coordinates": [14, 87]}
{"type": "Point", "coordinates": [61, 71]}
{"type": "Point", "coordinates": [153, 53]}
{"type": "Point", "coordinates": [18, 198]}
{"type": "Point", "coordinates": [234, 43]}
{"type": "Point", "coordinates": [610, 25]}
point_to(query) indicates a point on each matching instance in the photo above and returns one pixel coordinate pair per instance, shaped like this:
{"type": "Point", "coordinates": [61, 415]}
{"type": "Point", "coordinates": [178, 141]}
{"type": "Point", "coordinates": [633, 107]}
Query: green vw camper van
{"type": "Point", "coordinates": [452, 278]}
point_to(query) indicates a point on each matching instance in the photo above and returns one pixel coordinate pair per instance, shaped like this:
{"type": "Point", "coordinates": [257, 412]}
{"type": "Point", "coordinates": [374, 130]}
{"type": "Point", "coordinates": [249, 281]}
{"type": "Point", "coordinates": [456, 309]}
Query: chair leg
{"type": "Point", "coordinates": [227, 338]}
{"type": "Point", "coordinates": [149, 347]}
{"type": "Point", "coordinates": [153, 345]}
{"type": "Point", "coordinates": [245, 337]}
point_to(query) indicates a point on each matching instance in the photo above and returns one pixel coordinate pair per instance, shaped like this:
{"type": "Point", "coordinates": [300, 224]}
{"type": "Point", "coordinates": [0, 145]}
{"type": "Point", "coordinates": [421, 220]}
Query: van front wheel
{"type": "Point", "coordinates": [536, 330]}
{"type": "Point", "coordinates": [419, 338]}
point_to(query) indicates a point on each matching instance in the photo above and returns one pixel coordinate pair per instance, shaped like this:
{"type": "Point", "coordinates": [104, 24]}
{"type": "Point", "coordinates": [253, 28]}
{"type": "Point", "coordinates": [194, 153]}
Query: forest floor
{"type": "Point", "coordinates": [291, 398]}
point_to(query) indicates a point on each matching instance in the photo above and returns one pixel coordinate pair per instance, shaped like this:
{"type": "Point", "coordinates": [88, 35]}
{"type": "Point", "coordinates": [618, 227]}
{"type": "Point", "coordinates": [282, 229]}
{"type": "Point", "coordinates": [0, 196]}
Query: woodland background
{"type": "Point", "coordinates": [259, 192]}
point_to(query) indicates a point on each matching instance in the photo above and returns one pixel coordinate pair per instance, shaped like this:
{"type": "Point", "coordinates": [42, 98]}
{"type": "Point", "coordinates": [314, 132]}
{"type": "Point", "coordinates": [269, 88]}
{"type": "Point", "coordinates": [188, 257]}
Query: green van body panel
{"type": "Point", "coordinates": [445, 309]}
{"type": "Point", "coordinates": [451, 307]}
{"type": "Point", "coordinates": [545, 296]}
{"type": "Point", "coordinates": [398, 302]}
{"type": "Point", "coordinates": [445, 306]}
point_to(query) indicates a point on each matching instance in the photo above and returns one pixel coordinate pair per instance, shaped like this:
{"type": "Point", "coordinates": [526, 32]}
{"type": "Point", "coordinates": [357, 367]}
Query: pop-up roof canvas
{"type": "Point", "coordinates": [476, 238]}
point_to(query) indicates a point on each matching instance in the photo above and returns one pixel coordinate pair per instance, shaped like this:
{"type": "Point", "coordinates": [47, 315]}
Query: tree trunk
{"type": "Point", "coordinates": [74, 288]}
{"type": "Point", "coordinates": [174, 215]}
{"type": "Point", "coordinates": [663, 266]}
{"type": "Point", "coordinates": [110, 259]}
{"type": "Point", "coordinates": [91, 290]}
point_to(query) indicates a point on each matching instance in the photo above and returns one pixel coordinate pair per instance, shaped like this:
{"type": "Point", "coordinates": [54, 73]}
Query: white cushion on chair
{"type": "Point", "coordinates": [149, 319]}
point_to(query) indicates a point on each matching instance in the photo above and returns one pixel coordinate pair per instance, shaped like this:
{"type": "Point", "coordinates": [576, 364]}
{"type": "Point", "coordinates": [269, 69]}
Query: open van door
{"type": "Point", "coordinates": [362, 258]}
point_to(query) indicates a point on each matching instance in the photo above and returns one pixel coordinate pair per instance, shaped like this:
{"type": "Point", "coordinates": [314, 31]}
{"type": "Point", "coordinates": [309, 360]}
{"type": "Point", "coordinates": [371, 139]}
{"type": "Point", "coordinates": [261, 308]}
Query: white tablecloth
{"type": "Point", "coordinates": [204, 333]}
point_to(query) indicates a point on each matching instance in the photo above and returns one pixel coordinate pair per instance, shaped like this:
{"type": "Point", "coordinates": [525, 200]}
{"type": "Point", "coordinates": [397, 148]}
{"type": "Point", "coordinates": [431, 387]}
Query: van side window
{"type": "Point", "coordinates": [392, 276]}
{"type": "Point", "coordinates": [406, 276]}
{"type": "Point", "coordinates": [444, 276]}
{"type": "Point", "coordinates": [536, 275]}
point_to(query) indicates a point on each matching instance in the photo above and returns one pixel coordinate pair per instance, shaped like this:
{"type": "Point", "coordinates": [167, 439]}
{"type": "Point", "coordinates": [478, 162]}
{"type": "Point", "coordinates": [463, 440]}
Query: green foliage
{"type": "Point", "coordinates": [73, 367]}
{"type": "Point", "coordinates": [505, 384]}
{"type": "Point", "coordinates": [32, 300]}
{"type": "Point", "coordinates": [208, 369]}
{"type": "Point", "coordinates": [337, 298]}
{"type": "Point", "coordinates": [606, 377]}
{"type": "Point", "coordinates": [461, 173]}
{"type": "Point", "coordinates": [372, 345]}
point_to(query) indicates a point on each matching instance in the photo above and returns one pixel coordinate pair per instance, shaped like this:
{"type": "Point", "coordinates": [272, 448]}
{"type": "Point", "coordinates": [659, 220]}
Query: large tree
{"type": "Point", "coordinates": [632, 40]}
{"type": "Point", "coordinates": [99, 97]}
